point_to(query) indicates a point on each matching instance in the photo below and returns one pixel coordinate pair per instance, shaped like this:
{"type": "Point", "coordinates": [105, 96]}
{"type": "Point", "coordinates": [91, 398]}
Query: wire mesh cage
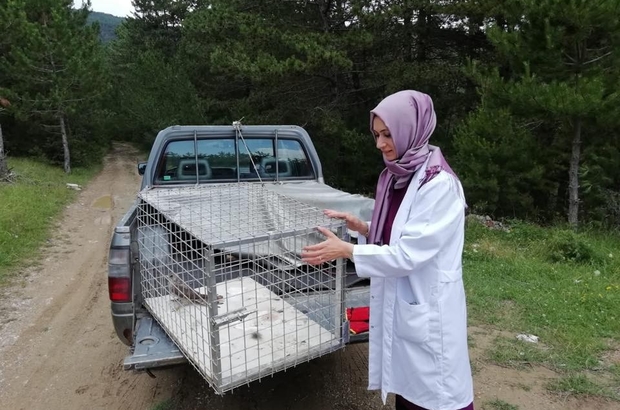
{"type": "Point", "coordinates": [222, 273]}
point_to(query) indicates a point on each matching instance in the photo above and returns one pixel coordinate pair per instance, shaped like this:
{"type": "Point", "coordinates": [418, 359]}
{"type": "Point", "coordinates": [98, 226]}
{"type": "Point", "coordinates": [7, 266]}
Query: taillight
{"type": "Point", "coordinates": [118, 262]}
{"type": "Point", "coordinates": [119, 275]}
{"type": "Point", "coordinates": [120, 289]}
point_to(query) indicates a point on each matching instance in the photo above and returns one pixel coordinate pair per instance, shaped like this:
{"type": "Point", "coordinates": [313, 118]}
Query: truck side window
{"type": "Point", "coordinates": [175, 164]}
{"type": "Point", "coordinates": [293, 161]}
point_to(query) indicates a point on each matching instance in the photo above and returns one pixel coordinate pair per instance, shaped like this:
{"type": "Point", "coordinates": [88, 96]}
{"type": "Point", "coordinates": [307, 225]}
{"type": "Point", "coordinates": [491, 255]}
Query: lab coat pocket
{"type": "Point", "coordinates": [411, 321]}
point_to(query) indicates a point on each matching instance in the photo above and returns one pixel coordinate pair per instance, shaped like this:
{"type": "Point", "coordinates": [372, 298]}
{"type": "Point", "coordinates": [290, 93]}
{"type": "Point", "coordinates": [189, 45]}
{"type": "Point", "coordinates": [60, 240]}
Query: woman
{"type": "Point", "coordinates": [418, 321]}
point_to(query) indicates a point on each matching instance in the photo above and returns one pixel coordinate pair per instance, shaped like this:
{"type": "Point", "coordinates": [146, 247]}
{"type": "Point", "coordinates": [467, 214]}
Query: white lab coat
{"type": "Point", "coordinates": [418, 320]}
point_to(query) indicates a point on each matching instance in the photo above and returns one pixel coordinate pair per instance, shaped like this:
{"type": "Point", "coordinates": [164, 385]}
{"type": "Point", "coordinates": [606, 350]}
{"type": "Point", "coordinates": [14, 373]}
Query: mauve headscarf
{"type": "Point", "coordinates": [410, 117]}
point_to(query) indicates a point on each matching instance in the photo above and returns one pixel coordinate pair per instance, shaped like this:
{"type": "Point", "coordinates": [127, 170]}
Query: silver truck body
{"type": "Point", "coordinates": [150, 347]}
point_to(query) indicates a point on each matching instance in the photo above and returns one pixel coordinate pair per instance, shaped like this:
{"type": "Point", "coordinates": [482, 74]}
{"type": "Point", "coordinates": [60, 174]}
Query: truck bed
{"type": "Point", "coordinates": [154, 348]}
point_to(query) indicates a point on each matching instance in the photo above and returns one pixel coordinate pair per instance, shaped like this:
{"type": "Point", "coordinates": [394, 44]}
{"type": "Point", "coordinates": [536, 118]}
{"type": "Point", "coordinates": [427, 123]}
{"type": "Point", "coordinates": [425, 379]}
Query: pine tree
{"type": "Point", "coordinates": [53, 65]}
{"type": "Point", "coordinates": [4, 168]}
{"type": "Point", "coordinates": [560, 59]}
{"type": "Point", "coordinates": [4, 103]}
{"type": "Point", "coordinates": [157, 24]}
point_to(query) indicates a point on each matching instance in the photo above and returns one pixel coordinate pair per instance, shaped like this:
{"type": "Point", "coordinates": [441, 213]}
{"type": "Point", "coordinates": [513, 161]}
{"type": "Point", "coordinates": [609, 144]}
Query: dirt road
{"type": "Point", "coordinates": [58, 349]}
{"type": "Point", "coordinates": [57, 346]}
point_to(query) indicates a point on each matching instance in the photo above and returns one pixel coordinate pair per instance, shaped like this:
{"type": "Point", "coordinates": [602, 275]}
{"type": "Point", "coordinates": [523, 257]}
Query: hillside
{"type": "Point", "coordinates": [107, 23]}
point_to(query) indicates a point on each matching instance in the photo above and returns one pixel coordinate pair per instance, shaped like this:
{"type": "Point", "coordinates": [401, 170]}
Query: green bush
{"type": "Point", "coordinates": [568, 246]}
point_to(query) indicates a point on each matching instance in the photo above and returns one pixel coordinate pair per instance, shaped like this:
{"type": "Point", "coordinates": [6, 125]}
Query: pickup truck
{"type": "Point", "coordinates": [283, 156]}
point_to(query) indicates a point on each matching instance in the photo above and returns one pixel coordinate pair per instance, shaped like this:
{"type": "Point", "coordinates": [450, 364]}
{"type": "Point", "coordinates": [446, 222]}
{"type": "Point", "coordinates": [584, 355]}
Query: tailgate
{"type": "Point", "coordinates": [153, 348]}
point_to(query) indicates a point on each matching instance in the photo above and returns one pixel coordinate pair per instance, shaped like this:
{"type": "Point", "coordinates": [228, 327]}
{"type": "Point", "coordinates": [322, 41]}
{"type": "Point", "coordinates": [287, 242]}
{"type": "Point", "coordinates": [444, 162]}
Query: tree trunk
{"type": "Point", "coordinates": [4, 169]}
{"type": "Point", "coordinates": [422, 35]}
{"type": "Point", "coordinates": [573, 176]}
{"type": "Point", "coordinates": [65, 145]}
{"type": "Point", "coordinates": [324, 11]}
{"type": "Point", "coordinates": [409, 34]}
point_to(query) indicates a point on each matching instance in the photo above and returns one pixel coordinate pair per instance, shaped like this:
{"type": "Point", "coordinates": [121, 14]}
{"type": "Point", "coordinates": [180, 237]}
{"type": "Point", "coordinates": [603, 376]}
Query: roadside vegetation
{"type": "Point", "coordinates": [499, 405]}
{"type": "Point", "coordinates": [554, 283]}
{"type": "Point", "coordinates": [29, 208]}
{"type": "Point", "coordinates": [164, 405]}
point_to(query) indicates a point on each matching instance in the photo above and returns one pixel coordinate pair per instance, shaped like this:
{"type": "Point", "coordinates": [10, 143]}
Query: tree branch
{"type": "Point", "coordinates": [569, 57]}
{"type": "Point", "coordinates": [597, 58]}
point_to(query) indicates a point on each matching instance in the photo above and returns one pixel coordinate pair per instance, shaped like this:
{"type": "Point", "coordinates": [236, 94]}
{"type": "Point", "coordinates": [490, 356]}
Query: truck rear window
{"type": "Point", "coordinates": [186, 161]}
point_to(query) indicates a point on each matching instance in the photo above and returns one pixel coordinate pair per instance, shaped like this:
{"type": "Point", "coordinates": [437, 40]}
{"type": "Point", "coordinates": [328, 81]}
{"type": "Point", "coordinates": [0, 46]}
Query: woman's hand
{"type": "Point", "coordinates": [328, 250]}
{"type": "Point", "coordinates": [353, 222]}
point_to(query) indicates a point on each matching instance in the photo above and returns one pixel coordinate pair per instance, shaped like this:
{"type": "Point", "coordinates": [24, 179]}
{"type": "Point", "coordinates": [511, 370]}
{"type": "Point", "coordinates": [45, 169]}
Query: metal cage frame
{"type": "Point", "coordinates": [222, 273]}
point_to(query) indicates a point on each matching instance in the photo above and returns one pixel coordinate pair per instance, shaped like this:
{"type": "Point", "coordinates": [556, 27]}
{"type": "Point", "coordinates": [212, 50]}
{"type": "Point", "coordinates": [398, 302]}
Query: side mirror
{"type": "Point", "coordinates": [141, 168]}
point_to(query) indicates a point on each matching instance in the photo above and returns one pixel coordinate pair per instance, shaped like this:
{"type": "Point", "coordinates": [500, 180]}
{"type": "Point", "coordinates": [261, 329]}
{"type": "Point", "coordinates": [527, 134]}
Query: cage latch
{"type": "Point", "coordinates": [232, 316]}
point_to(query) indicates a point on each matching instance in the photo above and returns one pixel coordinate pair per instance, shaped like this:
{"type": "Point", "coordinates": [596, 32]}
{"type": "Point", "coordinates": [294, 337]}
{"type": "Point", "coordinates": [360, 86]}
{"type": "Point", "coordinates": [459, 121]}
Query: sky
{"type": "Point", "coordinates": [120, 8]}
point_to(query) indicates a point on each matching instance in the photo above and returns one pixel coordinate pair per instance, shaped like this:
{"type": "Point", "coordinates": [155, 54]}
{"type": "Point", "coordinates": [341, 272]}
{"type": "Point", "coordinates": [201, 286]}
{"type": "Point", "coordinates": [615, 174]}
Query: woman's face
{"type": "Point", "coordinates": [384, 140]}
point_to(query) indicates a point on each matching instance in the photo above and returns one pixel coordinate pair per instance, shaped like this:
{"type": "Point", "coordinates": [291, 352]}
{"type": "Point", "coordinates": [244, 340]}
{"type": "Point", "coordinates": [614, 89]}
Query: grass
{"type": "Point", "coordinates": [615, 371]}
{"type": "Point", "coordinates": [29, 208]}
{"type": "Point", "coordinates": [500, 405]}
{"type": "Point", "coordinates": [514, 353]}
{"type": "Point", "coordinates": [163, 405]}
{"type": "Point", "coordinates": [561, 286]}
{"type": "Point", "coordinates": [580, 385]}
{"type": "Point", "coordinates": [550, 282]}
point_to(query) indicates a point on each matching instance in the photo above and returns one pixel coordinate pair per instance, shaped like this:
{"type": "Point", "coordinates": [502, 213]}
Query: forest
{"type": "Point", "coordinates": [526, 91]}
